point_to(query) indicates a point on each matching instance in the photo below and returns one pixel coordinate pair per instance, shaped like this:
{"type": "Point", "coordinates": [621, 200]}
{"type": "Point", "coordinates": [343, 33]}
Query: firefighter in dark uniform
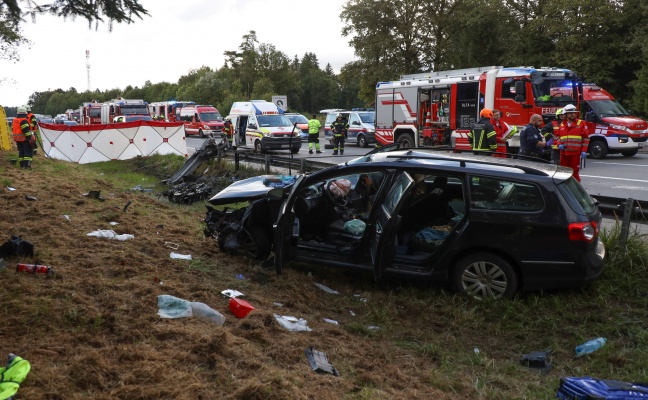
{"type": "Point", "coordinates": [23, 137]}
{"type": "Point", "coordinates": [339, 127]}
{"type": "Point", "coordinates": [482, 137]}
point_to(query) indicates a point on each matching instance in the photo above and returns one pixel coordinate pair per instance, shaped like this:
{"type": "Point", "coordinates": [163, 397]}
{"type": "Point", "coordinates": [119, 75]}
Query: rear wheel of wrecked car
{"type": "Point", "coordinates": [256, 244]}
{"type": "Point", "coordinates": [485, 276]}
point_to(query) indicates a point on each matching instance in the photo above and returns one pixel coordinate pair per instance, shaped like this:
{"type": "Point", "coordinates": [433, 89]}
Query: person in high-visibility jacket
{"type": "Point", "coordinates": [24, 138]}
{"type": "Point", "coordinates": [228, 129]}
{"type": "Point", "coordinates": [339, 127]}
{"type": "Point", "coordinates": [550, 131]}
{"type": "Point", "coordinates": [573, 140]}
{"type": "Point", "coordinates": [482, 137]}
{"type": "Point", "coordinates": [313, 135]}
{"type": "Point", "coordinates": [503, 132]}
{"type": "Point", "coordinates": [13, 375]}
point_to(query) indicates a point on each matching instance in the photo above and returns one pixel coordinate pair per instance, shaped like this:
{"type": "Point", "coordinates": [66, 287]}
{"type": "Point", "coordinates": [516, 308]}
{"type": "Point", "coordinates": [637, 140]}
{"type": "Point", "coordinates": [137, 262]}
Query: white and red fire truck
{"type": "Point", "coordinates": [123, 107]}
{"type": "Point", "coordinates": [439, 108]}
{"type": "Point", "coordinates": [90, 113]}
{"type": "Point", "coordinates": [170, 110]}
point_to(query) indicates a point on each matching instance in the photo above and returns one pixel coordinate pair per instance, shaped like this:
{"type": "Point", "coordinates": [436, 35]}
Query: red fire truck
{"type": "Point", "coordinates": [123, 107]}
{"type": "Point", "coordinates": [90, 113]}
{"type": "Point", "coordinates": [440, 107]}
{"type": "Point", "coordinates": [170, 110]}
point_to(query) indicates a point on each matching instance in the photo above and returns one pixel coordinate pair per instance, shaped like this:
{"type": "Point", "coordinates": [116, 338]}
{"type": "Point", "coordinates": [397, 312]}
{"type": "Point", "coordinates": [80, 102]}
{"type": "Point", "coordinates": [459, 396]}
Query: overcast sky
{"type": "Point", "coordinates": [179, 35]}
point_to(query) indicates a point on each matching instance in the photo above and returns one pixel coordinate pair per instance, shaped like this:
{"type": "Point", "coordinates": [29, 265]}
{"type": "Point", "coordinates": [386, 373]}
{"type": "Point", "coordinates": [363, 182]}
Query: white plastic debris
{"type": "Point", "coordinates": [292, 324]}
{"type": "Point", "coordinates": [231, 293]}
{"type": "Point", "coordinates": [352, 313]}
{"type": "Point", "coordinates": [476, 350]}
{"type": "Point", "coordinates": [330, 321]}
{"type": "Point", "coordinates": [173, 307]}
{"type": "Point", "coordinates": [373, 328]}
{"type": "Point", "coordinates": [327, 289]}
{"type": "Point", "coordinates": [278, 304]}
{"type": "Point", "coordinates": [9, 188]}
{"type": "Point", "coordinates": [114, 223]}
{"type": "Point", "coordinates": [67, 217]}
{"type": "Point", "coordinates": [109, 234]}
{"type": "Point", "coordinates": [181, 256]}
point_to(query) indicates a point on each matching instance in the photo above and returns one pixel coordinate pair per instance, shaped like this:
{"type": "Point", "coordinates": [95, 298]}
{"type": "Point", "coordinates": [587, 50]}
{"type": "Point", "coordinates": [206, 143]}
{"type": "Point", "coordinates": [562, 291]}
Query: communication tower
{"type": "Point", "coordinates": [88, 67]}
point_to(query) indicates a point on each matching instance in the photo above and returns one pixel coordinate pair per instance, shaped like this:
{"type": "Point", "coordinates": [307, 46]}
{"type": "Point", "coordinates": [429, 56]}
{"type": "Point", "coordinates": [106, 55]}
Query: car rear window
{"type": "Point", "coordinates": [504, 195]}
{"type": "Point", "coordinates": [579, 200]}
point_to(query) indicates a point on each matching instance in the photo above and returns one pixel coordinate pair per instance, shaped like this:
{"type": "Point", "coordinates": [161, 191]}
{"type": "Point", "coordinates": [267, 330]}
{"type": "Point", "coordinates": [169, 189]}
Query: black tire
{"type": "Point", "coordinates": [258, 148]}
{"type": "Point", "coordinates": [201, 133]}
{"type": "Point", "coordinates": [406, 140]}
{"type": "Point", "coordinates": [598, 149]}
{"type": "Point", "coordinates": [294, 150]}
{"type": "Point", "coordinates": [257, 244]}
{"type": "Point", "coordinates": [362, 141]}
{"type": "Point", "coordinates": [629, 153]}
{"type": "Point", "coordinates": [485, 276]}
{"type": "Point", "coordinates": [223, 237]}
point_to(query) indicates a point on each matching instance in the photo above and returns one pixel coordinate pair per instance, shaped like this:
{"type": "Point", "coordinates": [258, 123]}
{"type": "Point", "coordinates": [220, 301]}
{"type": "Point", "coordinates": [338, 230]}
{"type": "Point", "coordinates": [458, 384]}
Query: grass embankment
{"type": "Point", "coordinates": [92, 330]}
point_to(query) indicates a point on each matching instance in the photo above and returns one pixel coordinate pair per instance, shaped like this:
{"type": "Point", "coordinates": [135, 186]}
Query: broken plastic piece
{"type": "Point", "coordinates": [181, 256]}
{"type": "Point", "coordinates": [331, 321]}
{"type": "Point", "coordinates": [109, 234]}
{"type": "Point", "coordinates": [128, 203]}
{"type": "Point", "coordinates": [327, 289]}
{"type": "Point", "coordinates": [10, 188]}
{"type": "Point", "coordinates": [319, 362]}
{"type": "Point", "coordinates": [16, 247]}
{"type": "Point", "coordinates": [292, 324]}
{"type": "Point", "coordinates": [94, 194]}
{"type": "Point", "coordinates": [231, 293]}
{"type": "Point", "coordinates": [31, 198]}
{"type": "Point", "coordinates": [537, 360]}
{"type": "Point", "coordinates": [171, 245]}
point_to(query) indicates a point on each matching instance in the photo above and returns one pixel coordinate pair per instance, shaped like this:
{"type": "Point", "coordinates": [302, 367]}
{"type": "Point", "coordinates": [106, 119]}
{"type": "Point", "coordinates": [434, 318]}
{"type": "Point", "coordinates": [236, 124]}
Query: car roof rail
{"type": "Point", "coordinates": [462, 162]}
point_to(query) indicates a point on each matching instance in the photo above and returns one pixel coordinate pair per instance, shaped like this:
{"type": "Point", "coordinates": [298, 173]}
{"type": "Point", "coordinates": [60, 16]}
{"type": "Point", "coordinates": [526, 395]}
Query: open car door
{"type": "Point", "coordinates": [383, 245]}
{"type": "Point", "coordinates": [285, 239]}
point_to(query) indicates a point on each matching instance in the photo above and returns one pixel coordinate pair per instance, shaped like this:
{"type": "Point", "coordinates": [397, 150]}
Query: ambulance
{"type": "Point", "coordinates": [262, 126]}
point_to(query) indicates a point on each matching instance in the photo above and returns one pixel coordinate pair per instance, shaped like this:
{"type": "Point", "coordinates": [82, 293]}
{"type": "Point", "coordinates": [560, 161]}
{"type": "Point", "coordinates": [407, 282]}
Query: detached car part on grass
{"type": "Point", "coordinates": [489, 226]}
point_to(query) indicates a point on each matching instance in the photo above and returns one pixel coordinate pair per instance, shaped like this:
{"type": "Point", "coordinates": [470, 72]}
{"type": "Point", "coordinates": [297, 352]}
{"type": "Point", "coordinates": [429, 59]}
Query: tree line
{"type": "Point", "coordinates": [604, 41]}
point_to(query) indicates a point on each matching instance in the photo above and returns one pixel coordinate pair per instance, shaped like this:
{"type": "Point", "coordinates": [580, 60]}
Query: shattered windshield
{"type": "Point", "coordinates": [608, 108]}
{"type": "Point", "coordinates": [554, 91]}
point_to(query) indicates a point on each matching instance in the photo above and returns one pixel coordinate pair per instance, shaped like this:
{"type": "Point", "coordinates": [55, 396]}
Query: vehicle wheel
{"type": "Point", "coordinates": [257, 147]}
{"type": "Point", "coordinates": [598, 149]}
{"type": "Point", "coordinates": [362, 141]}
{"type": "Point", "coordinates": [295, 150]}
{"type": "Point", "coordinates": [485, 276]}
{"type": "Point", "coordinates": [406, 140]}
{"type": "Point", "coordinates": [629, 153]}
{"type": "Point", "coordinates": [256, 245]}
{"type": "Point", "coordinates": [201, 133]}
{"type": "Point", "coordinates": [223, 237]}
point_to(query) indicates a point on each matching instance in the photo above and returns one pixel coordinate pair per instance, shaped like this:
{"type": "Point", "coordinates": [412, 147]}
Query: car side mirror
{"type": "Point", "coordinates": [590, 116]}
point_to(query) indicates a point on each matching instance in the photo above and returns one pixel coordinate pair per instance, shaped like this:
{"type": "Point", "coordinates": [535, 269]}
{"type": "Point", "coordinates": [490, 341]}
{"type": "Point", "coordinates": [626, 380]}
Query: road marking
{"type": "Point", "coordinates": [631, 188]}
{"type": "Point", "coordinates": [616, 179]}
{"type": "Point", "coordinates": [614, 163]}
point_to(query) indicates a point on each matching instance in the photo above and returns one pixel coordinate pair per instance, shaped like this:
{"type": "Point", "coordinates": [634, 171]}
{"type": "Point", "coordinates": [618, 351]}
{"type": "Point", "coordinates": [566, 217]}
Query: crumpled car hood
{"type": "Point", "coordinates": [250, 189]}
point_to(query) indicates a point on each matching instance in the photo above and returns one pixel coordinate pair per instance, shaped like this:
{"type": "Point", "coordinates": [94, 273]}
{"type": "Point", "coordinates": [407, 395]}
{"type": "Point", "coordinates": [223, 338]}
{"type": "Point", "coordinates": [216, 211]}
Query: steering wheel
{"type": "Point", "coordinates": [341, 201]}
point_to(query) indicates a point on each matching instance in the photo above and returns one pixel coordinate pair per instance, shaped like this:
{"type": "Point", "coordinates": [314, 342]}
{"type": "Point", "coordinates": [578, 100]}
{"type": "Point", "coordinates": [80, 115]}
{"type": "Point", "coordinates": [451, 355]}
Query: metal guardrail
{"type": "Point", "coordinates": [301, 165]}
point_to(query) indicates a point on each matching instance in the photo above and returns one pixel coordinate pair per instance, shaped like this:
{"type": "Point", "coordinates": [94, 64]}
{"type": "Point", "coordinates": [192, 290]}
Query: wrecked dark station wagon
{"type": "Point", "coordinates": [490, 226]}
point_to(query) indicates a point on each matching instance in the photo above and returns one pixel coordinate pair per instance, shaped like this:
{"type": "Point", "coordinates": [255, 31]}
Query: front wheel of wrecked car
{"type": "Point", "coordinates": [227, 240]}
{"type": "Point", "coordinates": [255, 244]}
{"type": "Point", "coordinates": [485, 276]}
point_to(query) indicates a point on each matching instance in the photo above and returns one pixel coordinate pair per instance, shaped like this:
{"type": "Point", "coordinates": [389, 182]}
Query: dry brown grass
{"type": "Point", "coordinates": [91, 331]}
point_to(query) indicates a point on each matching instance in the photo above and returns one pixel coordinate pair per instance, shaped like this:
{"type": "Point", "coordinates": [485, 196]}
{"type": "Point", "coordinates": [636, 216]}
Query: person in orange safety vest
{"type": "Point", "coordinates": [573, 140]}
{"type": "Point", "coordinates": [22, 135]}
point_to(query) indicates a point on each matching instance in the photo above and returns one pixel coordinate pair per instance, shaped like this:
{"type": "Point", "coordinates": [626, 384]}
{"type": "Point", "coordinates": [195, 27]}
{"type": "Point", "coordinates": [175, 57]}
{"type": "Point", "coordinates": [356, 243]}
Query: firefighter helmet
{"type": "Point", "coordinates": [486, 113]}
{"type": "Point", "coordinates": [559, 112]}
{"type": "Point", "coordinates": [27, 108]}
{"type": "Point", "coordinates": [338, 116]}
{"type": "Point", "coordinates": [22, 110]}
{"type": "Point", "coordinates": [569, 108]}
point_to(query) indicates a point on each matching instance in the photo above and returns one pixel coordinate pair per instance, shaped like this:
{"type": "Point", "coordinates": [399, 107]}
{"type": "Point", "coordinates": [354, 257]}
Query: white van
{"type": "Point", "coordinates": [261, 126]}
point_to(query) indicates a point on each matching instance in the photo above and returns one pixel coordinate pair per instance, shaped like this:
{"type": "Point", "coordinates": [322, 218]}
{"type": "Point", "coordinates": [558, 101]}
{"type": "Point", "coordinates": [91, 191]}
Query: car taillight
{"type": "Point", "coordinates": [582, 231]}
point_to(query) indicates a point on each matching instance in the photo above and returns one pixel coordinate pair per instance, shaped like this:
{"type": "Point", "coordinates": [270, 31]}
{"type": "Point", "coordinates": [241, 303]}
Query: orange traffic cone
{"type": "Point", "coordinates": [428, 119]}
